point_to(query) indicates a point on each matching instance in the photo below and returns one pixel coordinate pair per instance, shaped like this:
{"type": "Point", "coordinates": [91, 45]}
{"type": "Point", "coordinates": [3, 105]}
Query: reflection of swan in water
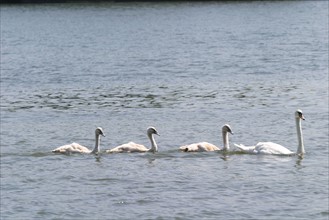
{"type": "Point", "coordinates": [276, 149]}
{"type": "Point", "coordinates": [133, 147]}
{"type": "Point", "coordinates": [299, 162]}
{"type": "Point", "coordinates": [77, 148]}
{"type": "Point", "coordinates": [205, 146]}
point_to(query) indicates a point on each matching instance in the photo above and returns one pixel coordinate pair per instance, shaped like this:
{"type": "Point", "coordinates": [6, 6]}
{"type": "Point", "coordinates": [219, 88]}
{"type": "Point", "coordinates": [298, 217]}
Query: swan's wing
{"type": "Point", "coordinates": [208, 146]}
{"type": "Point", "coordinates": [199, 147]}
{"type": "Point", "coordinates": [246, 149]}
{"type": "Point", "coordinates": [61, 149]}
{"type": "Point", "coordinates": [190, 148]}
{"type": "Point", "coordinates": [265, 148]}
{"type": "Point", "coordinates": [272, 148]}
{"type": "Point", "coordinates": [128, 148]}
{"type": "Point", "coordinates": [71, 148]}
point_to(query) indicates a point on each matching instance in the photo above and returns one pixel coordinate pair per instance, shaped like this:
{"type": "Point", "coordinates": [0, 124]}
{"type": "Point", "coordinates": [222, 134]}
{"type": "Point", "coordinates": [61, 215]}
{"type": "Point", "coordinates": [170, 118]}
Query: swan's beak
{"type": "Point", "coordinates": [302, 117]}
{"type": "Point", "coordinates": [157, 134]}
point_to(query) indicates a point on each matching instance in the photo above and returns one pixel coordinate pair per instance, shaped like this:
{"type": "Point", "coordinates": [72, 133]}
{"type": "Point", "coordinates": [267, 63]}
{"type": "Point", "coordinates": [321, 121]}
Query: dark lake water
{"type": "Point", "coordinates": [184, 68]}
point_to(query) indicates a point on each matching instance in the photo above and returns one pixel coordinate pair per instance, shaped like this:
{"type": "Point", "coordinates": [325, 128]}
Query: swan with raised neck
{"type": "Point", "coordinates": [77, 148]}
{"type": "Point", "coordinates": [277, 149]}
{"type": "Point", "coordinates": [133, 147]}
{"type": "Point", "coordinates": [205, 146]}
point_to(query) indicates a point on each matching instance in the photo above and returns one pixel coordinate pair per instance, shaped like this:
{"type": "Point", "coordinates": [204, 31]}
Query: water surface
{"type": "Point", "coordinates": [185, 68]}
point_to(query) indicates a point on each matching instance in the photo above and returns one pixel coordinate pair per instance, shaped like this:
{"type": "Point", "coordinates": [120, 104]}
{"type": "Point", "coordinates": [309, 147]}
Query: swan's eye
{"type": "Point", "coordinates": [155, 132]}
{"type": "Point", "coordinates": [301, 116]}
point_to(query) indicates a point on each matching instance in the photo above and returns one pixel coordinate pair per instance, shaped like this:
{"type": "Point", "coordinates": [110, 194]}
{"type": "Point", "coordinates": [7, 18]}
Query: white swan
{"type": "Point", "coordinates": [132, 147]}
{"type": "Point", "coordinates": [77, 148]}
{"type": "Point", "coordinates": [276, 149]}
{"type": "Point", "coordinates": [205, 146]}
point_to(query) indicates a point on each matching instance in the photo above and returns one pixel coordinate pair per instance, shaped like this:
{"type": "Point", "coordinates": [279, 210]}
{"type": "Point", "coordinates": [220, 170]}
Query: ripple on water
{"type": "Point", "coordinates": [185, 75]}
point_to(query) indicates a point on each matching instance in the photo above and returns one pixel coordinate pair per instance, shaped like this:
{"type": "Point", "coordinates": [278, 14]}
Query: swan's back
{"type": "Point", "coordinates": [130, 147]}
{"type": "Point", "coordinates": [199, 147]}
{"type": "Point", "coordinates": [265, 148]}
{"type": "Point", "coordinates": [272, 148]}
{"type": "Point", "coordinates": [71, 148]}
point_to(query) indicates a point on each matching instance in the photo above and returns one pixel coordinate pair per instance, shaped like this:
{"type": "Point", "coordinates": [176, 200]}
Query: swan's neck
{"type": "Point", "coordinates": [154, 146]}
{"type": "Point", "coordinates": [225, 140]}
{"type": "Point", "coordinates": [97, 142]}
{"type": "Point", "coordinates": [300, 149]}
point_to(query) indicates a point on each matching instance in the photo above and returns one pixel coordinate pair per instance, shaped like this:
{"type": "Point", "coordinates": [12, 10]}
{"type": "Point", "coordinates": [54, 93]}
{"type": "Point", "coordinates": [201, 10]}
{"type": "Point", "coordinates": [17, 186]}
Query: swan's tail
{"type": "Point", "coordinates": [60, 151]}
{"type": "Point", "coordinates": [184, 148]}
{"type": "Point", "coordinates": [246, 149]}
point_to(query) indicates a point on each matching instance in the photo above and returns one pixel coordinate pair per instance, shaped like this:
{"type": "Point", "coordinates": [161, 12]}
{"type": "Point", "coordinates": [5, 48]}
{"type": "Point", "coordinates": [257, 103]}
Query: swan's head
{"type": "Point", "coordinates": [299, 114]}
{"type": "Point", "coordinates": [152, 130]}
{"type": "Point", "coordinates": [99, 131]}
{"type": "Point", "coordinates": [227, 129]}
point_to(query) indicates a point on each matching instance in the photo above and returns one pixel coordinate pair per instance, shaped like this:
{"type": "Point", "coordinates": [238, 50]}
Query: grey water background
{"type": "Point", "coordinates": [185, 68]}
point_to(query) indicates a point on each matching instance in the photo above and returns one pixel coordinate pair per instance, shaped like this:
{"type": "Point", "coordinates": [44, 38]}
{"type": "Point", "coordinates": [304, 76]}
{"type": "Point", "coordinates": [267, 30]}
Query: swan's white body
{"type": "Point", "coordinates": [205, 146]}
{"type": "Point", "coordinates": [77, 148]}
{"type": "Point", "coordinates": [132, 147]}
{"type": "Point", "coordinates": [265, 148]}
{"type": "Point", "coordinates": [199, 147]}
{"type": "Point", "coordinates": [277, 149]}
